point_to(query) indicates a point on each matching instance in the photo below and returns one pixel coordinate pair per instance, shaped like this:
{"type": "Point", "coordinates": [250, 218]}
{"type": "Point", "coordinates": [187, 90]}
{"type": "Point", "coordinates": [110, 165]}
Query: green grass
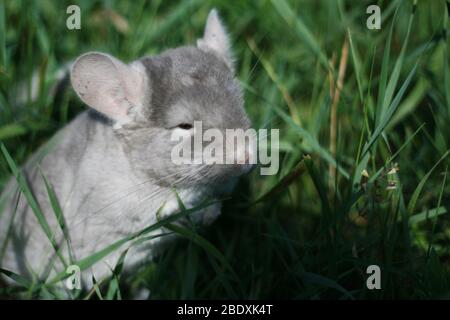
{"type": "Point", "coordinates": [311, 231]}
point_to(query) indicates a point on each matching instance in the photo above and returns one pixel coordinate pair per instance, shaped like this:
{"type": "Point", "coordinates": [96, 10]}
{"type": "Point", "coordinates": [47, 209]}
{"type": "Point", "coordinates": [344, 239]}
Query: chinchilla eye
{"type": "Point", "coordinates": [185, 126]}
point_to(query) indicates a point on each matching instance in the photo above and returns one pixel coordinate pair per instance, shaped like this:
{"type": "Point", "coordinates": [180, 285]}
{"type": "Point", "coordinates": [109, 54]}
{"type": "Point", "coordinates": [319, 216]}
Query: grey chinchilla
{"type": "Point", "coordinates": [110, 167]}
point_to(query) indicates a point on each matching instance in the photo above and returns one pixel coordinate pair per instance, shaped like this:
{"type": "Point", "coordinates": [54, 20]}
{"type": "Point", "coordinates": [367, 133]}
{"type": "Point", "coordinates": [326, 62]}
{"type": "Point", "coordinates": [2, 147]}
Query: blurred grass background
{"type": "Point", "coordinates": [364, 119]}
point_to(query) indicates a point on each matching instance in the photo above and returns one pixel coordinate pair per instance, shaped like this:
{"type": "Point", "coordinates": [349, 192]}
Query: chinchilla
{"type": "Point", "coordinates": [111, 169]}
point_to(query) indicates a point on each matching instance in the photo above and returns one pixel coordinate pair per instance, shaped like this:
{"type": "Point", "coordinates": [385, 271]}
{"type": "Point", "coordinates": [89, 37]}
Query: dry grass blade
{"type": "Point", "coordinates": [334, 104]}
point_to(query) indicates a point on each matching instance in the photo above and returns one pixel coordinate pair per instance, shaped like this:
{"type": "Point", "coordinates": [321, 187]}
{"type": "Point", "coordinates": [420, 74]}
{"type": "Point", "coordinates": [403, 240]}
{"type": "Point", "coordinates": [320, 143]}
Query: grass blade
{"type": "Point", "coordinates": [284, 183]}
{"type": "Point", "coordinates": [427, 214]}
{"type": "Point", "coordinates": [17, 278]}
{"type": "Point", "coordinates": [202, 242]}
{"type": "Point", "coordinates": [311, 141]}
{"type": "Point", "coordinates": [59, 215]}
{"type": "Point", "coordinates": [356, 64]}
{"type": "Point", "coordinates": [387, 116]}
{"type": "Point", "coordinates": [300, 28]}
{"type": "Point", "coordinates": [412, 203]}
{"type": "Point", "coordinates": [12, 130]}
{"type": "Point", "coordinates": [32, 202]}
{"type": "Point", "coordinates": [2, 38]}
{"type": "Point", "coordinates": [86, 262]}
{"type": "Point", "coordinates": [113, 289]}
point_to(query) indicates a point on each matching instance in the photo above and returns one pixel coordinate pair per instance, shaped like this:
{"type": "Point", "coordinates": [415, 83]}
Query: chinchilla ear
{"type": "Point", "coordinates": [107, 85]}
{"type": "Point", "coordinates": [216, 38]}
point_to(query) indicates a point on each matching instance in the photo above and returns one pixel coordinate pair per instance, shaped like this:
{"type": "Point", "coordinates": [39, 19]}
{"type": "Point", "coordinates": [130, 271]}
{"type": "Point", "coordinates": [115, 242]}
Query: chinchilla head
{"type": "Point", "coordinates": [151, 99]}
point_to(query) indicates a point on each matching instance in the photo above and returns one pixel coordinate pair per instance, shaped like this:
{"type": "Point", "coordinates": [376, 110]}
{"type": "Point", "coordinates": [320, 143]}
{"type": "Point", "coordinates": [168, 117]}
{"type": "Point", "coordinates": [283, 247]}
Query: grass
{"type": "Point", "coordinates": [364, 147]}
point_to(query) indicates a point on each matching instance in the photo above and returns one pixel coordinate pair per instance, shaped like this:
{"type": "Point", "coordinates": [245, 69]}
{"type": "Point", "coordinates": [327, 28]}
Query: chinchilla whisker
{"type": "Point", "coordinates": [169, 189]}
{"type": "Point", "coordinates": [160, 192]}
{"type": "Point", "coordinates": [123, 197]}
{"type": "Point", "coordinates": [140, 185]}
{"type": "Point", "coordinates": [150, 181]}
